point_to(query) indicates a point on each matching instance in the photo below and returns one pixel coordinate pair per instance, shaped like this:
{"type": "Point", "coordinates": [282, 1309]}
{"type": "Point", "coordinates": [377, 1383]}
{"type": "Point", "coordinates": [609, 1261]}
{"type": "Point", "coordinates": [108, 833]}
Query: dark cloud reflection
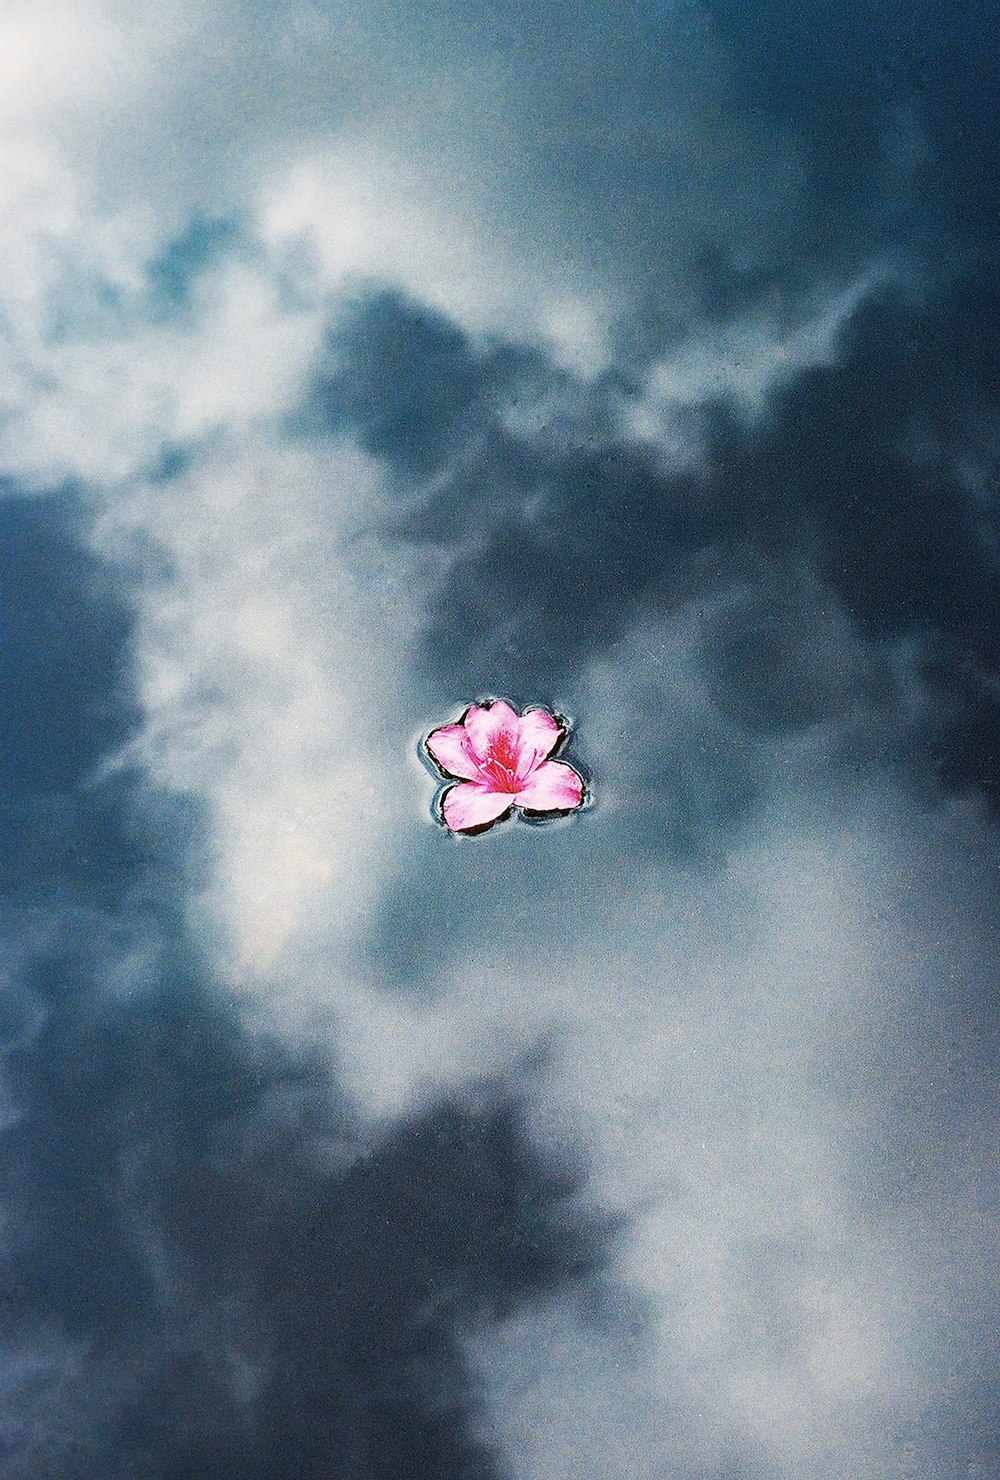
{"type": "Point", "coordinates": [238, 1282]}
{"type": "Point", "coordinates": [639, 362]}
{"type": "Point", "coordinates": [864, 488]}
{"type": "Point", "coordinates": [188, 1207]}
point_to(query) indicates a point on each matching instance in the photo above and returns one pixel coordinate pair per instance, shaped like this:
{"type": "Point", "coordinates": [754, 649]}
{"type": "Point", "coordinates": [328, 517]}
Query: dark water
{"type": "Point", "coordinates": [638, 364]}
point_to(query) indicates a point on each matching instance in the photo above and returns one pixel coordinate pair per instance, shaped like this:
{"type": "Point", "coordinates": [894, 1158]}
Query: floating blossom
{"type": "Point", "coordinates": [501, 760]}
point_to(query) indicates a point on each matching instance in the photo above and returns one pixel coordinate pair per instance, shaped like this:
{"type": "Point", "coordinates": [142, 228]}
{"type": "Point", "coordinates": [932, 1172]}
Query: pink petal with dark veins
{"type": "Point", "coordinates": [485, 725]}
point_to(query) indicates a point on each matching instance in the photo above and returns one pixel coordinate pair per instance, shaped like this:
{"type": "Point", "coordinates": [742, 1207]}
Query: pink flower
{"type": "Point", "coordinates": [501, 760]}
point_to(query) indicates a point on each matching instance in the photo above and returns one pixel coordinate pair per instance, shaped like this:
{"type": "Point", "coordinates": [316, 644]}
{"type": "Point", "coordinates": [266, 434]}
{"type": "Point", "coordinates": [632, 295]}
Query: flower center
{"type": "Point", "coordinates": [501, 764]}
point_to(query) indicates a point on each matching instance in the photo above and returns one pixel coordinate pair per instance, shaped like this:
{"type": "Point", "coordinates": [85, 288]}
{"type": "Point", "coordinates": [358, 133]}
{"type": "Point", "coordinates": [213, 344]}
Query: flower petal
{"type": "Point", "coordinates": [552, 787]}
{"type": "Point", "coordinates": [449, 746]}
{"type": "Point", "coordinates": [485, 723]}
{"type": "Point", "coordinates": [472, 804]}
{"type": "Point", "coordinates": [539, 734]}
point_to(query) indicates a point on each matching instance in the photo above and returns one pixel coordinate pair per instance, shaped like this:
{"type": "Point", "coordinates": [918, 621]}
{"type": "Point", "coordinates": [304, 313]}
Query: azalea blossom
{"type": "Point", "coordinates": [501, 760]}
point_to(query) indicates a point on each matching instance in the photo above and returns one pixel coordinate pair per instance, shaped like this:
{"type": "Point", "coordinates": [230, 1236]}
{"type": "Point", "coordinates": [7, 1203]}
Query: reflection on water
{"type": "Point", "coordinates": [641, 361]}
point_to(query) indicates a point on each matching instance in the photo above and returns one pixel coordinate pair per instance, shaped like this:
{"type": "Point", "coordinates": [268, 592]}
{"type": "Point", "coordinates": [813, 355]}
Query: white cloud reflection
{"type": "Point", "coordinates": [753, 1048]}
